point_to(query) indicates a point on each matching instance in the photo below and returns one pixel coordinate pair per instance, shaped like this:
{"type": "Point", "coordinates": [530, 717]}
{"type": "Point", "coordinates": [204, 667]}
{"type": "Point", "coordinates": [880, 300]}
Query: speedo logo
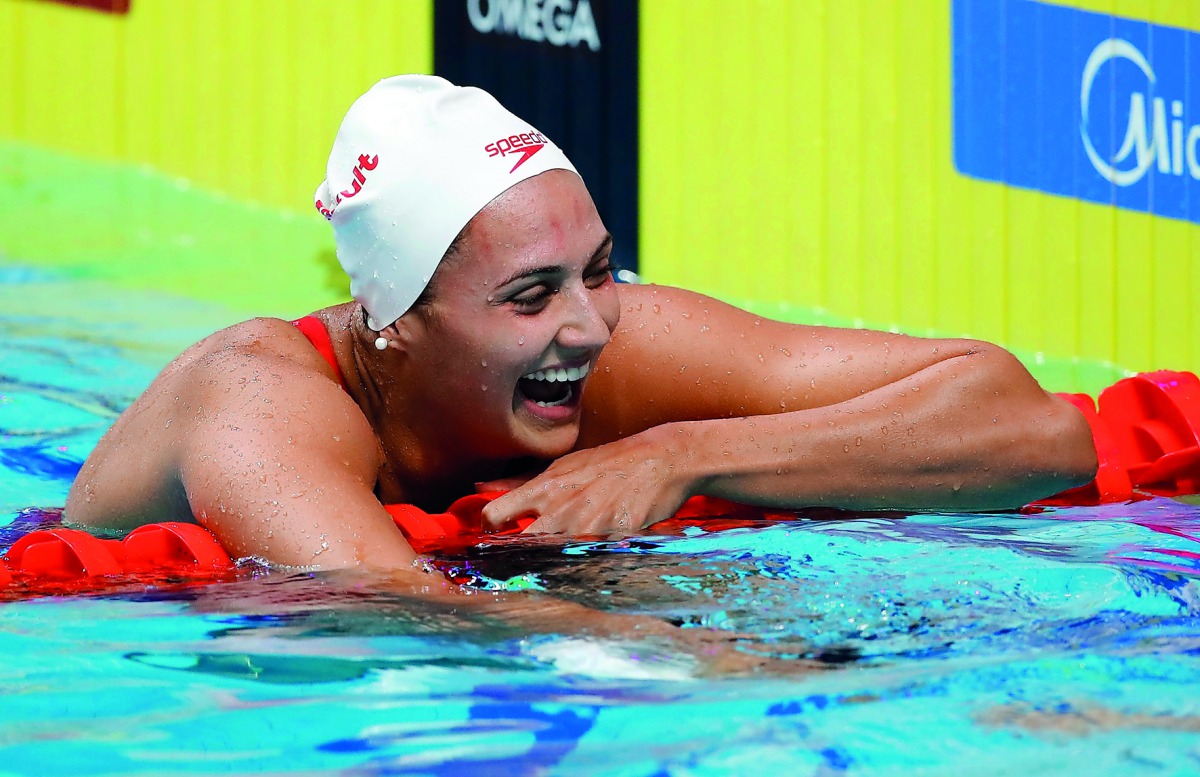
{"type": "Point", "coordinates": [526, 144]}
{"type": "Point", "coordinates": [360, 170]}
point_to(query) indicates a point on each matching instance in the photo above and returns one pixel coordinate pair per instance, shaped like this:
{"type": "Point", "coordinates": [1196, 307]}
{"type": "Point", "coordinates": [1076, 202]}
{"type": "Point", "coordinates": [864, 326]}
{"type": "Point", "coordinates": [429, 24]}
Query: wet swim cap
{"type": "Point", "coordinates": [415, 159]}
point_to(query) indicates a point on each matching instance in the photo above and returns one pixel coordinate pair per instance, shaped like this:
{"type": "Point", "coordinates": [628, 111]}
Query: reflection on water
{"type": "Point", "coordinates": [950, 644]}
{"type": "Point", "coordinates": [73, 354]}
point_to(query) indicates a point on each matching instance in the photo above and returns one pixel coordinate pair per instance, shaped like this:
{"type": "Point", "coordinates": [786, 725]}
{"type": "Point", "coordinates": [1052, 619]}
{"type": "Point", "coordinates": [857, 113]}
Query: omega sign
{"type": "Point", "coordinates": [558, 22]}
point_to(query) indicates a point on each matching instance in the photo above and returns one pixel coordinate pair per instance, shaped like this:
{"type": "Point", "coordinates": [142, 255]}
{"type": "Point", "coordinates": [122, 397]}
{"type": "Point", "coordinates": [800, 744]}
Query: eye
{"type": "Point", "coordinates": [532, 298]}
{"type": "Point", "coordinates": [599, 275]}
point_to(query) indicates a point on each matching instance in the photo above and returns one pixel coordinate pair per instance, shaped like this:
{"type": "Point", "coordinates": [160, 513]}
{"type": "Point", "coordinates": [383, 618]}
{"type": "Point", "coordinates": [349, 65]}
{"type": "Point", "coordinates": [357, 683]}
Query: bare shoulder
{"type": "Point", "coordinates": [262, 370]}
{"type": "Point", "coordinates": [645, 306]}
{"type": "Point", "coordinates": [679, 355]}
{"type": "Point", "coordinates": [258, 383]}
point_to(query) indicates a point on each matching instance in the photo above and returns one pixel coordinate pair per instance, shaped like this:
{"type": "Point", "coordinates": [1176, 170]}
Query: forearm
{"type": "Point", "coordinates": [529, 614]}
{"type": "Point", "coordinates": [968, 433]}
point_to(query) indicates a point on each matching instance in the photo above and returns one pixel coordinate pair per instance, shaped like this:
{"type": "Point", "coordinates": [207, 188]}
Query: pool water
{"type": "Point", "coordinates": [1059, 643]}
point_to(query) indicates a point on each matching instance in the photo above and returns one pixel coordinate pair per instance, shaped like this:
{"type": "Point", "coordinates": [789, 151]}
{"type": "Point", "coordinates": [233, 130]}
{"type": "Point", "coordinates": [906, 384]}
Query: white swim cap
{"type": "Point", "coordinates": [415, 159]}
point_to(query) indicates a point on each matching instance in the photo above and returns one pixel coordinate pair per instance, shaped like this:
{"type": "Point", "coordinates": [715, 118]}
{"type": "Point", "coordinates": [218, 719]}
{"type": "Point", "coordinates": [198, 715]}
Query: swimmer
{"type": "Point", "coordinates": [488, 348]}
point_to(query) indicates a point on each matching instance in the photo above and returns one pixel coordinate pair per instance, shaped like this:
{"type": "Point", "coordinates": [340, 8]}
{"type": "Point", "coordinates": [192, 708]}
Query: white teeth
{"type": "Point", "coordinates": [559, 375]}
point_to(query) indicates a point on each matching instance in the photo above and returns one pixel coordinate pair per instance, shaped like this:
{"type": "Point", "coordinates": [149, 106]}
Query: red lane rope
{"type": "Point", "coordinates": [1146, 430]}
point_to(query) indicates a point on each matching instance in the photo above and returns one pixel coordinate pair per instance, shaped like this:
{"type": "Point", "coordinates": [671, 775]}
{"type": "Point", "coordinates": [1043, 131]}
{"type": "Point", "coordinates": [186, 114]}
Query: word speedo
{"type": "Point", "coordinates": [526, 144]}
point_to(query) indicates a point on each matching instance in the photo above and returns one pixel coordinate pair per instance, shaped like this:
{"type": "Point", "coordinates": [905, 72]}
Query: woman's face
{"type": "Point", "coordinates": [517, 320]}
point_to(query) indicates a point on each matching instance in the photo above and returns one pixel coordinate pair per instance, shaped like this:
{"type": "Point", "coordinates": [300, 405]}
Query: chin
{"type": "Point", "coordinates": [550, 444]}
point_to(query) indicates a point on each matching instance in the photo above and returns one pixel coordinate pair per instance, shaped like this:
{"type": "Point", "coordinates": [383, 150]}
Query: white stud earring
{"type": "Point", "coordinates": [381, 343]}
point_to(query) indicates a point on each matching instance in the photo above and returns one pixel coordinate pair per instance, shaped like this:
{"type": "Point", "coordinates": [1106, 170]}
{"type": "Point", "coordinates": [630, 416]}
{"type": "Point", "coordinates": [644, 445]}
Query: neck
{"type": "Point", "coordinates": [422, 465]}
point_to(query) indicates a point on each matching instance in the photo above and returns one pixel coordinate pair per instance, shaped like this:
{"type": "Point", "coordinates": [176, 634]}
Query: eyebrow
{"type": "Point", "coordinates": [553, 268]}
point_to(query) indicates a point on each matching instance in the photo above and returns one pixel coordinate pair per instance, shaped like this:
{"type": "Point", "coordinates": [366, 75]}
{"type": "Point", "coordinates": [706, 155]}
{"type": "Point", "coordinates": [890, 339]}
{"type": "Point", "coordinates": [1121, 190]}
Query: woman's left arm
{"type": "Point", "coordinates": [697, 397]}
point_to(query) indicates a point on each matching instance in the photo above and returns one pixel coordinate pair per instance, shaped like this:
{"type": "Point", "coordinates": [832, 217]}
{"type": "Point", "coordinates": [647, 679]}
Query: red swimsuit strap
{"type": "Point", "coordinates": [312, 328]}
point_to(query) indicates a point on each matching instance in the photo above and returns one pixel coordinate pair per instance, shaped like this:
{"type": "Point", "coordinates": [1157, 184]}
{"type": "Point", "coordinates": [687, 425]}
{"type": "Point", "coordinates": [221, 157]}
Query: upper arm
{"type": "Point", "coordinates": [247, 435]}
{"type": "Point", "coordinates": [678, 356]}
{"type": "Point", "coordinates": [284, 466]}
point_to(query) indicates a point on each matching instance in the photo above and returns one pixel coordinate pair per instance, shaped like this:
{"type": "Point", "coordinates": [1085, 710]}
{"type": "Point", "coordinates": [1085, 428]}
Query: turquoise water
{"type": "Point", "coordinates": [1065, 642]}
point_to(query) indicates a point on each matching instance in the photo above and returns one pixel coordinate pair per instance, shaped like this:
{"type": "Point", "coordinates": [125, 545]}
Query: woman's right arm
{"type": "Point", "coordinates": [262, 450]}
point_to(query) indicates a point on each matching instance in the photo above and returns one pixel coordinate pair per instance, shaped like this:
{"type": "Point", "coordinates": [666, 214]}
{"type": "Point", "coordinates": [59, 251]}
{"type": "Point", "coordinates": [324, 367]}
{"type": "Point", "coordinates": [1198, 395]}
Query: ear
{"type": "Point", "coordinates": [404, 331]}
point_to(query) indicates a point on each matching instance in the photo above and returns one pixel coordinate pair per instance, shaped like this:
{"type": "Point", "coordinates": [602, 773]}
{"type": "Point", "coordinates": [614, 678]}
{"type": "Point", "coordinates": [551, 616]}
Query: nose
{"type": "Point", "coordinates": [585, 326]}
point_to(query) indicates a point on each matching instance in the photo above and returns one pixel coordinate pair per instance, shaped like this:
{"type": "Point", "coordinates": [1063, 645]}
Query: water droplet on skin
{"type": "Point", "coordinates": [521, 340]}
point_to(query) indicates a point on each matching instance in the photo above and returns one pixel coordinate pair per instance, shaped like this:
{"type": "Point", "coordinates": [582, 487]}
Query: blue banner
{"type": "Point", "coordinates": [1078, 104]}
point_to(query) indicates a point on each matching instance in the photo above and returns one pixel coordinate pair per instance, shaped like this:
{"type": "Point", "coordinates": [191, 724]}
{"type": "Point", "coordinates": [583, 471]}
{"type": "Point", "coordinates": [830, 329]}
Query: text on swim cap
{"type": "Point", "coordinates": [527, 144]}
{"type": "Point", "coordinates": [365, 164]}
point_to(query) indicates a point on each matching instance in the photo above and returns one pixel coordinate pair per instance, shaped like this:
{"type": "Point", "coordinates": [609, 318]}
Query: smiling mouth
{"type": "Point", "coordinates": [553, 387]}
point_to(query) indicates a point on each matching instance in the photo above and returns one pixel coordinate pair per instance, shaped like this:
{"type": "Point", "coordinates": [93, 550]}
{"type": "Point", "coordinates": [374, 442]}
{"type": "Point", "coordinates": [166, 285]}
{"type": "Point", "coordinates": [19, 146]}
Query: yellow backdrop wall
{"type": "Point", "coordinates": [800, 153]}
{"type": "Point", "coordinates": [794, 156]}
{"type": "Point", "coordinates": [243, 97]}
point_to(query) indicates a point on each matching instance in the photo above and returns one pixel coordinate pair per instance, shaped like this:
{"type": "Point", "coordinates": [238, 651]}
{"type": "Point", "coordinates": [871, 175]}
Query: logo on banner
{"type": "Point", "coordinates": [557, 22]}
{"type": "Point", "coordinates": [1078, 104]}
{"type": "Point", "coordinates": [1150, 139]}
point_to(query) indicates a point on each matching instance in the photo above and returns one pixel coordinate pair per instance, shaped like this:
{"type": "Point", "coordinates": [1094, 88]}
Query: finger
{"type": "Point", "coordinates": [545, 524]}
{"type": "Point", "coordinates": [503, 510]}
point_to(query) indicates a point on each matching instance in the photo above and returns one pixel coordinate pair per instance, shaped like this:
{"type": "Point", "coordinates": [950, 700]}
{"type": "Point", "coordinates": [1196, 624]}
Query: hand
{"type": "Point", "coordinates": [610, 490]}
{"type": "Point", "coordinates": [710, 652]}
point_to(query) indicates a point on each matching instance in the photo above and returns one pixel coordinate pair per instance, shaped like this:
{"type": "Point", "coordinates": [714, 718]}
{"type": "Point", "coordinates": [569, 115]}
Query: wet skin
{"type": "Point", "coordinates": [249, 434]}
